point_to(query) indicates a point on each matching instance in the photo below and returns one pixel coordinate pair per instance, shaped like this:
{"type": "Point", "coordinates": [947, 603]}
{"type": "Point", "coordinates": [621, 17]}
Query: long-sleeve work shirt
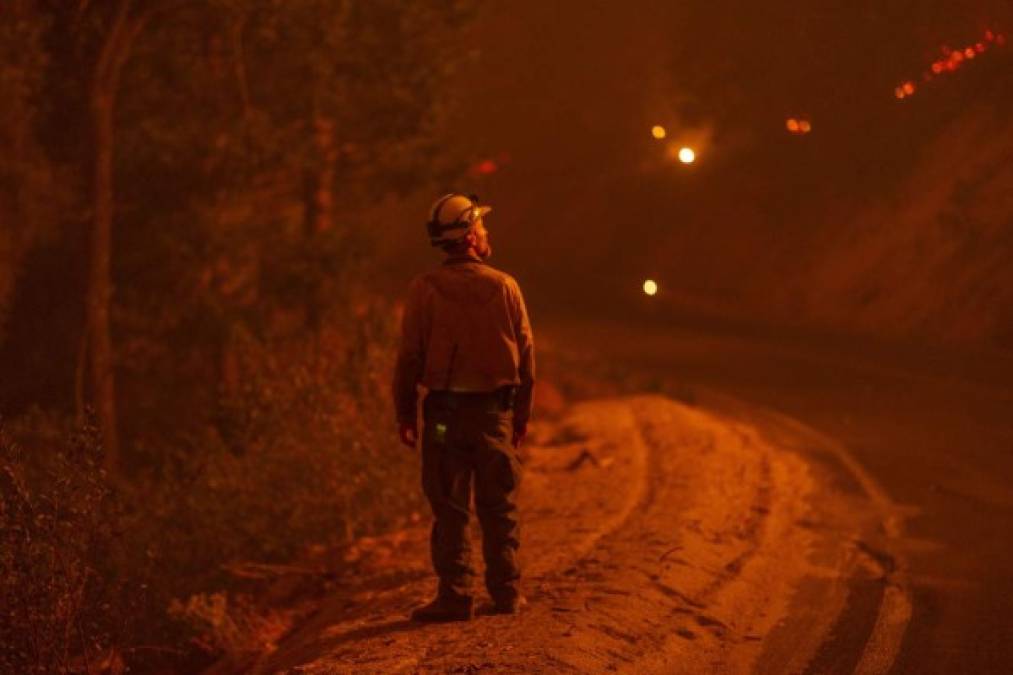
{"type": "Point", "coordinates": [465, 328]}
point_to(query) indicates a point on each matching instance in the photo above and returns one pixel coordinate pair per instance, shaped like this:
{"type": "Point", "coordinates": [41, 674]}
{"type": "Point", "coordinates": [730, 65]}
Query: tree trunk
{"type": "Point", "coordinates": [318, 201]}
{"type": "Point", "coordinates": [323, 197]}
{"type": "Point", "coordinates": [80, 373]}
{"type": "Point", "coordinates": [115, 49]}
{"type": "Point", "coordinates": [100, 279]}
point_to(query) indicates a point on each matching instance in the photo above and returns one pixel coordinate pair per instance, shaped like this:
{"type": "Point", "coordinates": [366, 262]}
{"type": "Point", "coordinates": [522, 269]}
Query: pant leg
{"type": "Point", "coordinates": [497, 480]}
{"type": "Point", "coordinates": [446, 481]}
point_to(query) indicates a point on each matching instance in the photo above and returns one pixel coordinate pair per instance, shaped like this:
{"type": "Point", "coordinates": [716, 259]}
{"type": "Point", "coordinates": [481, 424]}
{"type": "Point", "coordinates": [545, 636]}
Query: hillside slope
{"type": "Point", "coordinates": [933, 260]}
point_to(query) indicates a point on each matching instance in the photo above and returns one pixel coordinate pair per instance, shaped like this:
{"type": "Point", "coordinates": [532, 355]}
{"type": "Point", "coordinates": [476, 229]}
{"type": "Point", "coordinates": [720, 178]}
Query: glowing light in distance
{"type": "Point", "coordinates": [909, 88]}
{"type": "Point", "coordinates": [686, 155]}
{"type": "Point", "coordinates": [658, 131]}
{"type": "Point", "coordinates": [798, 126]}
{"type": "Point", "coordinates": [651, 287]}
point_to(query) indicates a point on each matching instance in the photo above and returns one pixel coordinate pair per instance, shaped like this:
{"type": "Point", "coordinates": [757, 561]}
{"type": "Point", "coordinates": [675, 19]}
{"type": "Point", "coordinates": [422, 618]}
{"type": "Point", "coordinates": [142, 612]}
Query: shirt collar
{"type": "Point", "coordinates": [461, 259]}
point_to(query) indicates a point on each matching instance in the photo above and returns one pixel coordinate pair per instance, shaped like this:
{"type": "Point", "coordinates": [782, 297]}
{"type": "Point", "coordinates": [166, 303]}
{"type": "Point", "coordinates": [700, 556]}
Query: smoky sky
{"type": "Point", "coordinates": [564, 93]}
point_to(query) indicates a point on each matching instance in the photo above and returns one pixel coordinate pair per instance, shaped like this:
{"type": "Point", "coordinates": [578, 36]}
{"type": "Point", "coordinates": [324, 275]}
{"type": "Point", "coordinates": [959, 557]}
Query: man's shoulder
{"type": "Point", "coordinates": [497, 273]}
{"type": "Point", "coordinates": [502, 279]}
{"type": "Point", "coordinates": [477, 269]}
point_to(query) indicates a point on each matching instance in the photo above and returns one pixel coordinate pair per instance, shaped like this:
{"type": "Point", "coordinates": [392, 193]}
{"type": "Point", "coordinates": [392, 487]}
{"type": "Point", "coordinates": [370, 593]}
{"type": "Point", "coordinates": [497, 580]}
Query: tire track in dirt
{"type": "Point", "coordinates": [731, 496]}
{"type": "Point", "coordinates": [869, 588]}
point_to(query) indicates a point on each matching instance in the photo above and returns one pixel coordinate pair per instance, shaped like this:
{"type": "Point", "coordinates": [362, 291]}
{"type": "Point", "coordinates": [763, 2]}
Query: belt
{"type": "Point", "coordinates": [500, 400]}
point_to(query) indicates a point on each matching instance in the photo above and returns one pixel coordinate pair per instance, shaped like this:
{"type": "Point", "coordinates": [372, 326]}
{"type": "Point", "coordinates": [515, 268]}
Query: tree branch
{"type": "Point", "coordinates": [110, 47]}
{"type": "Point", "coordinates": [239, 64]}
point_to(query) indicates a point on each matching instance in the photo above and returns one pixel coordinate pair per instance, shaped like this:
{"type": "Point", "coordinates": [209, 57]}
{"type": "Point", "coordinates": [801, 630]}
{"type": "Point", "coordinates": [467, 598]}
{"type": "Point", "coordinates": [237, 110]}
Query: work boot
{"type": "Point", "coordinates": [508, 605]}
{"type": "Point", "coordinates": [443, 609]}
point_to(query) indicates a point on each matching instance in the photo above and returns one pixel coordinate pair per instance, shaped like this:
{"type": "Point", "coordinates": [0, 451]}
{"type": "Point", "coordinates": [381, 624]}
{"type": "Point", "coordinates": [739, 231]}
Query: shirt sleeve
{"type": "Point", "coordinates": [411, 356]}
{"type": "Point", "coordinates": [526, 366]}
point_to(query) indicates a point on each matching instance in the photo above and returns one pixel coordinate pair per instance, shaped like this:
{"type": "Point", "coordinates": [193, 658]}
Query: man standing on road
{"type": "Point", "coordinates": [467, 339]}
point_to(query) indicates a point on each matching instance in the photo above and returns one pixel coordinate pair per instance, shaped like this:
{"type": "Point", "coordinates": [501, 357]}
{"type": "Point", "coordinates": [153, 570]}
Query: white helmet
{"type": "Point", "coordinates": [452, 216]}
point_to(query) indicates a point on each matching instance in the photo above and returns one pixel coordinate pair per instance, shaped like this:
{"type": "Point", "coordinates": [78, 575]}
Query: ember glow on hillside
{"type": "Point", "coordinates": [952, 60]}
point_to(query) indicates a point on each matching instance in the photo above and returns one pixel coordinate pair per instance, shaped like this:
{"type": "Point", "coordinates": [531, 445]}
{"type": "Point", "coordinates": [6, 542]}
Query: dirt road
{"type": "Point", "coordinates": [927, 430]}
{"type": "Point", "coordinates": [658, 538]}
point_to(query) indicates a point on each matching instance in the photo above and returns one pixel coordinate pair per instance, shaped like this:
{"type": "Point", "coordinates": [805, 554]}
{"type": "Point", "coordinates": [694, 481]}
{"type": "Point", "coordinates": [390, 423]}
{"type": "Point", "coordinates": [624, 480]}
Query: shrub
{"type": "Point", "coordinates": [55, 520]}
{"type": "Point", "coordinates": [139, 571]}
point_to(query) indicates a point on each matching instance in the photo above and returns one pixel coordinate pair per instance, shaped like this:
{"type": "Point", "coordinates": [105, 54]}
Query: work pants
{"type": "Point", "coordinates": [467, 441]}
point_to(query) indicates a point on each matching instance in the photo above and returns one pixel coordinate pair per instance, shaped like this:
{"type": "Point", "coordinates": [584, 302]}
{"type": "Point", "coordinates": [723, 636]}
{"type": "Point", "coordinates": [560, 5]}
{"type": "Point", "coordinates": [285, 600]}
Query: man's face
{"type": "Point", "coordinates": [482, 246]}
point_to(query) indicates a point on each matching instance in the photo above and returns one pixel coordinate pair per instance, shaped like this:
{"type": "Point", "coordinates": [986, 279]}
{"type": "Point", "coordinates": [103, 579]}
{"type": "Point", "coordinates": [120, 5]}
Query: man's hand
{"type": "Point", "coordinates": [409, 433]}
{"type": "Point", "coordinates": [518, 436]}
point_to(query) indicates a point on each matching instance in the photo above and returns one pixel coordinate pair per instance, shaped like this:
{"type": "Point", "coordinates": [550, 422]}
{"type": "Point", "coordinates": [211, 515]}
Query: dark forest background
{"type": "Point", "coordinates": [194, 366]}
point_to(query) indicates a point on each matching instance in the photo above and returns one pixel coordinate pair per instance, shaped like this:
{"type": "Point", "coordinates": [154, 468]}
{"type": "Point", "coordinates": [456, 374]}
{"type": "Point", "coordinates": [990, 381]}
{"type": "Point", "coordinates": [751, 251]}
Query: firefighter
{"type": "Point", "coordinates": [467, 340]}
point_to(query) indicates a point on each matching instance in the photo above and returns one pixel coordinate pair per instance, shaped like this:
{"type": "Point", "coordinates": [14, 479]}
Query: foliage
{"type": "Point", "coordinates": [252, 362]}
{"type": "Point", "coordinates": [303, 463]}
{"type": "Point", "coordinates": [54, 516]}
{"type": "Point", "coordinates": [255, 117]}
{"type": "Point", "coordinates": [31, 192]}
